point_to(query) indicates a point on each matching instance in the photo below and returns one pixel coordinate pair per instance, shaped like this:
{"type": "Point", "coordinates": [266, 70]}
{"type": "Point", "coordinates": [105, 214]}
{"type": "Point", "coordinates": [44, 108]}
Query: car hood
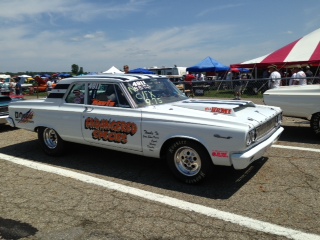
{"type": "Point", "coordinates": [5, 100]}
{"type": "Point", "coordinates": [40, 81]}
{"type": "Point", "coordinates": [217, 112]}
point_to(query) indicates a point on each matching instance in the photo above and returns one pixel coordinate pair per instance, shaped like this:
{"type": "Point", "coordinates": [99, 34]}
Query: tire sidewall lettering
{"type": "Point", "coordinates": [315, 122]}
{"type": "Point", "coordinates": [177, 144]}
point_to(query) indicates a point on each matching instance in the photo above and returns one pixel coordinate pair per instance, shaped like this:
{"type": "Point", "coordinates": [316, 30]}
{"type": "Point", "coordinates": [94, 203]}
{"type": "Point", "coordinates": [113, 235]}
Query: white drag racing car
{"type": "Point", "coordinates": [297, 101]}
{"type": "Point", "coordinates": [149, 116]}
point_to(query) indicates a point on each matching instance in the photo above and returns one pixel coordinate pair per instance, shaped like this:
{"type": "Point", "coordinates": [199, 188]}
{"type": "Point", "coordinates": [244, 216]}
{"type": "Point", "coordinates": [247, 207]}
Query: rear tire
{"type": "Point", "coordinates": [50, 141]}
{"type": "Point", "coordinates": [315, 123]}
{"type": "Point", "coordinates": [189, 161]}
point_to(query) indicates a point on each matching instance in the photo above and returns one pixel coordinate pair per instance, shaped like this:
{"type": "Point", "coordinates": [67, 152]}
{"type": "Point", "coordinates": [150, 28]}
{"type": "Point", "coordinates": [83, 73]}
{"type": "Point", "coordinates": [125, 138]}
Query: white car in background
{"type": "Point", "coordinates": [148, 115]}
{"type": "Point", "coordinates": [297, 101]}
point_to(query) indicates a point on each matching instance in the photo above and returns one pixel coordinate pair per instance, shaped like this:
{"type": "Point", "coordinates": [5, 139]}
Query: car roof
{"type": "Point", "coordinates": [110, 77]}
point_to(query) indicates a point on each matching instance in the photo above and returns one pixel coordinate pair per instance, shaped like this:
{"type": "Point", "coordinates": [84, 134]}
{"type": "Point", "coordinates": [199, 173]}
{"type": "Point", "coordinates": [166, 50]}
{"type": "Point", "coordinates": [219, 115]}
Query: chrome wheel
{"type": "Point", "coordinates": [187, 161]}
{"type": "Point", "coordinates": [50, 138]}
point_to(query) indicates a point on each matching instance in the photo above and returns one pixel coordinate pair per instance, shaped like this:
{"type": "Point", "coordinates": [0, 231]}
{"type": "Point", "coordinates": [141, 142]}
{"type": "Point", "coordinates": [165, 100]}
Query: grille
{"type": "Point", "coordinates": [3, 110]}
{"type": "Point", "coordinates": [266, 127]}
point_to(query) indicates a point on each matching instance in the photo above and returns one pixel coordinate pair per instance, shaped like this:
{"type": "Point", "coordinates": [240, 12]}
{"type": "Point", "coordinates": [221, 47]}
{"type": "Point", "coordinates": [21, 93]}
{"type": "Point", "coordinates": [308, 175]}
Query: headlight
{"type": "Point", "coordinates": [278, 120]}
{"type": "Point", "coordinates": [251, 137]}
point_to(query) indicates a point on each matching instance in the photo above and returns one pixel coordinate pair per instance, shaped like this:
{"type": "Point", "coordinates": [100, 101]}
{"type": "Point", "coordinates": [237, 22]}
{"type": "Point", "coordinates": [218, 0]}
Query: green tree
{"type": "Point", "coordinates": [74, 69]}
{"type": "Point", "coordinates": [80, 71]}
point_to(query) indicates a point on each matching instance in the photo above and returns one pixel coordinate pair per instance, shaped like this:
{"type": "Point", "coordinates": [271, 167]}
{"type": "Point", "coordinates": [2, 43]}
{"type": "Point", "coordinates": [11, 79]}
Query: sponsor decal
{"type": "Point", "coordinates": [94, 86]}
{"type": "Point", "coordinates": [110, 130]}
{"type": "Point", "coordinates": [103, 103]}
{"type": "Point", "coordinates": [153, 137]}
{"type": "Point", "coordinates": [141, 91]}
{"type": "Point", "coordinates": [220, 154]}
{"type": "Point", "coordinates": [24, 117]}
{"type": "Point", "coordinates": [218, 110]}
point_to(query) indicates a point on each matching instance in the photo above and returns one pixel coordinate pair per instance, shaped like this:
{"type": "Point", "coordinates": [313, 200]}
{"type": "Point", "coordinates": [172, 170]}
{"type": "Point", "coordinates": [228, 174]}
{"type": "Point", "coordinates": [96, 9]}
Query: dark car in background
{"type": "Point", "coordinates": [4, 103]}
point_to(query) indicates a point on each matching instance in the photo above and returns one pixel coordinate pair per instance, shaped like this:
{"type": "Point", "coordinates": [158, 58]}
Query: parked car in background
{"type": "Point", "coordinates": [297, 101]}
{"type": "Point", "coordinates": [40, 85]}
{"type": "Point", "coordinates": [148, 115]}
{"type": "Point", "coordinates": [5, 88]}
{"type": "Point", "coordinates": [4, 103]}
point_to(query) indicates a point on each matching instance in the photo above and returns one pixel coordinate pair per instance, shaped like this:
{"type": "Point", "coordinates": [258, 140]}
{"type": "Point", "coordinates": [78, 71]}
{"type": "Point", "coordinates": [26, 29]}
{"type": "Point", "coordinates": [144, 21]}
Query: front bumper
{"type": "Point", "coordinates": [3, 119]}
{"type": "Point", "coordinates": [10, 121]}
{"type": "Point", "coordinates": [244, 159]}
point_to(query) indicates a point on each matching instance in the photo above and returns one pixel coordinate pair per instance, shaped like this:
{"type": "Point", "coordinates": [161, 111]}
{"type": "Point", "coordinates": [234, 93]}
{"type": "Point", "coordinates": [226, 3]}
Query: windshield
{"type": "Point", "coordinates": [154, 91]}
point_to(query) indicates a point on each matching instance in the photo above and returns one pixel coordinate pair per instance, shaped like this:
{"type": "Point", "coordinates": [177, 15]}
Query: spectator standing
{"type": "Point", "coordinates": [49, 83]}
{"type": "Point", "coordinates": [237, 87]}
{"type": "Point", "coordinates": [12, 85]}
{"type": "Point", "coordinates": [126, 69]}
{"type": "Point", "coordinates": [229, 78]}
{"type": "Point", "coordinates": [309, 75]}
{"type": "Point", "coordinates": [300, 76]}
{"type": "Point", "coordinates": [18, 87]}
{"type": "Point", "coordinates": [201, 77]}
{"type": "Point", "coordinates": [265, 74]}
{"type": "Point", "coordinates": [189, 78]}
{"type": "Point", "coordinates": [293, 79]}
{"type": "Point", "coordinates": [275, 77]}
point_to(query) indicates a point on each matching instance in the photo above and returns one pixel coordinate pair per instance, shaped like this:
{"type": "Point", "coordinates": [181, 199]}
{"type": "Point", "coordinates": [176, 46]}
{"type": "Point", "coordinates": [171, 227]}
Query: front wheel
{"type": "Point", "coordinates": [189, 161]}
{"type": "Point", "coordinates": [315, 123]}
{"type": "Point", "coordinates": [50, 141]}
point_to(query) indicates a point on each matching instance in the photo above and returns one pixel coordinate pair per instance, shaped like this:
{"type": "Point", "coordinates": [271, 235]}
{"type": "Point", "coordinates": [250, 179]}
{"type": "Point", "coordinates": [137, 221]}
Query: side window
{"type": "Point", "coordinates": [108, 95]}
{"type": "Point", "coordinates": [76, 94]}
{"type": "Point", "coordinates": [122, 101]}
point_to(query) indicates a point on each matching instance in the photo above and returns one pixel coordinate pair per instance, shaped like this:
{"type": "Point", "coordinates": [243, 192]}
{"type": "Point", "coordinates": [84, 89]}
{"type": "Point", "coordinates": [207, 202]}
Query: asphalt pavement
{"type": "Point", "coordinates": [93, 193]}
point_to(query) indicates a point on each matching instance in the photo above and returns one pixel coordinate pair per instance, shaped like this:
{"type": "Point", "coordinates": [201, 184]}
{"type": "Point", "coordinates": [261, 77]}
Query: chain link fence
{"type": "Point", "coordinates": [249, 87]}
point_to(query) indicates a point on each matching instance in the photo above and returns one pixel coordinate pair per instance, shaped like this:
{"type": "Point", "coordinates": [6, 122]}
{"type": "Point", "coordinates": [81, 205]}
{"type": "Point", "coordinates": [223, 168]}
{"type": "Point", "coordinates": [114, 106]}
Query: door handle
{"type": "Point", "coordinates": [88, 109]}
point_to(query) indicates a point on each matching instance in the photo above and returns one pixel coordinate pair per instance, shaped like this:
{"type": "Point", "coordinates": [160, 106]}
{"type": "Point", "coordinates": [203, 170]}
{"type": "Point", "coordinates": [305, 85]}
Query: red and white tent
{"type": "Point", "coordinates": [304, 51]}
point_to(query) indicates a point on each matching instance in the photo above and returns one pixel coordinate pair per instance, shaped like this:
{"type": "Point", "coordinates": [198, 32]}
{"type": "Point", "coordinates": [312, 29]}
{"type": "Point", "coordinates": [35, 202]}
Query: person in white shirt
{"type": "Point", "coordinates": [49, 84]}
{"type": "Point", "coordinates": [275, 77]}
{"type": "Point", "coordinates": [293, 78]}
{"type": "Point", "coordinates": [300, 76]}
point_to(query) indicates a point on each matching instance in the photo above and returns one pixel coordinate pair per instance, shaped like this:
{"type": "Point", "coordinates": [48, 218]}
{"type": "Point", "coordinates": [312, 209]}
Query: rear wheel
{"type": "Point", "coordinates": [188, 161]}
{"type": "Point", "coordinates": [50, 141]}
{"type": "Point", "coordinates": [315, 123]}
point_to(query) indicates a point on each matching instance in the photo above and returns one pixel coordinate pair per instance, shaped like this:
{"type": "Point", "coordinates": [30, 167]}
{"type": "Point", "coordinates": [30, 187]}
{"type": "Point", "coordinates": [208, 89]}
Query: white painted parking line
{"type": "Point", "coordinates": [297, 148]}
{"type": "Point", "coordinates": [192, 207]}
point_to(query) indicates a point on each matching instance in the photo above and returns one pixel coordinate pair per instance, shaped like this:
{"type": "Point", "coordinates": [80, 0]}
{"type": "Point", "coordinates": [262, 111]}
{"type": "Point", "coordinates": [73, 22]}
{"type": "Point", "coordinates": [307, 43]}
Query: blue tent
{"type": "Point", "coordinates": [64, 75]}
{"type": "Point", "coordinates": [141, 70]}
{"type": "Point", "coordinates": [208, 65]}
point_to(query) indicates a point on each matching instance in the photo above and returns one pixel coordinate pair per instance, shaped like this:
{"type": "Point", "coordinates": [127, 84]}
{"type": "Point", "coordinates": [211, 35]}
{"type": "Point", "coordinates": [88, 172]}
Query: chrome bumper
{"type": "Point", "coordinates": [10, 121]}
{"type": "Point", "coordinates": [244, 159]}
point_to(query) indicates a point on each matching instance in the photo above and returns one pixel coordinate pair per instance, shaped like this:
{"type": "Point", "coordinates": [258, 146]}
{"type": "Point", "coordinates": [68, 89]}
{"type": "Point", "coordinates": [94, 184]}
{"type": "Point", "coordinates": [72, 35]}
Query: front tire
{"type": "Point", "coordinates": [315, 123]}
{"type": "Point", "coordinates": [50, 141]}
{"type": "Point", "coordinates": [189, 161]}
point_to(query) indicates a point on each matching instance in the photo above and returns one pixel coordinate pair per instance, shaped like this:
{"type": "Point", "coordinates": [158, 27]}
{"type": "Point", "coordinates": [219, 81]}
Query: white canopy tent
{"type": "Point", "coordinates": [113, 70]}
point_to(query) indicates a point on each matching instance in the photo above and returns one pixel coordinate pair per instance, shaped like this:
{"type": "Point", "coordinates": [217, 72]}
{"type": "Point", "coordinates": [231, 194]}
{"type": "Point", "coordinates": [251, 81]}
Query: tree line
{"type": "Point", "coordinates": [75, 70]}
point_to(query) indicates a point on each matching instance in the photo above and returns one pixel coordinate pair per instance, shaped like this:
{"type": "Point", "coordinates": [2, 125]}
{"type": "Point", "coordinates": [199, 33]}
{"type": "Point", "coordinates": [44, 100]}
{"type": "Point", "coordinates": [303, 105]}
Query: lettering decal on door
{"type": "Point", "coordinates": [153, 137]}
{"type": "Point", "coordinates": [110, 130]}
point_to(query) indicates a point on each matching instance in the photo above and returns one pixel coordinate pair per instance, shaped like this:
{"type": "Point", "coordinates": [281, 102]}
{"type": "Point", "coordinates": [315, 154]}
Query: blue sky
{"type": "Point", "coordinates": [51, 35]}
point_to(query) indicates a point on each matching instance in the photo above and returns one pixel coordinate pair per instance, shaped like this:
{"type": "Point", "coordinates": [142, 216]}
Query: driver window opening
{"type": "Point", "coordinates": [108, 95]}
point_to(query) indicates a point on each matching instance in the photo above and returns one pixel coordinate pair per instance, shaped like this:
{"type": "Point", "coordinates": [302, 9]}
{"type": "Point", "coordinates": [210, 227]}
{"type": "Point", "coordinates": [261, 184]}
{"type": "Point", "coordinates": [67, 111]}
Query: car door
{"type": "Point", "coordinates": [67, 120]}
{"type": "Point", "coordinates": [109, 120]}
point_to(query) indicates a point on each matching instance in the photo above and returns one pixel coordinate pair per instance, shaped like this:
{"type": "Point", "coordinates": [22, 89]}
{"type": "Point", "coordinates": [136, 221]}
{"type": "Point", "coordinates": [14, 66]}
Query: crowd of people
{"type": "Point", "coordinates": [273, 77]}
{"type": "Point", "coordinates": [298, 76]}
